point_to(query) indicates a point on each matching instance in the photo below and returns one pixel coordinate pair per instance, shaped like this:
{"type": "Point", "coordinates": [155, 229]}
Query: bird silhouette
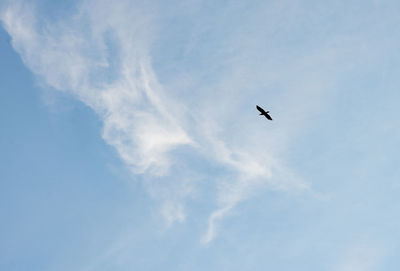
{"type": "Point", "coordinates": [263, 112]}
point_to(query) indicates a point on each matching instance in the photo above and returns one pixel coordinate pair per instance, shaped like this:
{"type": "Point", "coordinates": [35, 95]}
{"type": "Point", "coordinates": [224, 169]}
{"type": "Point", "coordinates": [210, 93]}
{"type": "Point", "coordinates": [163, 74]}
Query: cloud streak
{"type": "Point", "coordinates": [102, 56]}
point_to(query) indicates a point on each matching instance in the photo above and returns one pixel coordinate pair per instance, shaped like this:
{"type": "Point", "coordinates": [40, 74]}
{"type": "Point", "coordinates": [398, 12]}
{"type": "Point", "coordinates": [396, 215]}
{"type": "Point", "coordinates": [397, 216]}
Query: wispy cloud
{"type": "Point", "coordinates": [102, 56]}
{"type": "Point", "coordinates": [361, 256]}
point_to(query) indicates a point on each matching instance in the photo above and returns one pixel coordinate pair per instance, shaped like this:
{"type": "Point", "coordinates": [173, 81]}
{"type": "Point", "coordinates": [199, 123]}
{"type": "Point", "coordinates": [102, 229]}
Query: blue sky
{"type": "Point", "coordinates": [130, 139]}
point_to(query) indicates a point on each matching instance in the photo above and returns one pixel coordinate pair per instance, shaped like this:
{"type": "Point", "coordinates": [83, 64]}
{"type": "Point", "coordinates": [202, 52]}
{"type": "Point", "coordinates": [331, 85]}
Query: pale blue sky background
{"type": "Point", "coordinates": [130, 139]}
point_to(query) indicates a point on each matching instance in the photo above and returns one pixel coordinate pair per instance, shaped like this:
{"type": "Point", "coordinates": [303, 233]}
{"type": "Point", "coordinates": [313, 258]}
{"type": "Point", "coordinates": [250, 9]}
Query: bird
{"type": "Point", "coordinates": [263, 112]}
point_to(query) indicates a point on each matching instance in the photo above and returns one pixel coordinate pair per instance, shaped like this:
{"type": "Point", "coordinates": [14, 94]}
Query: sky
{"type": "Point", "coordinates": [130, 138]}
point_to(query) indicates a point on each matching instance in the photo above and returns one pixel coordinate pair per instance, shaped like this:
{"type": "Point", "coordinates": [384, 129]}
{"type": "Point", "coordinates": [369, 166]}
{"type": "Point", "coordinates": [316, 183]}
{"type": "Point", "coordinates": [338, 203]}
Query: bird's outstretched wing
{"type": "Point", "coordinates": [260, 109]}
{"type": "Point", "coordinates": [268, 116]}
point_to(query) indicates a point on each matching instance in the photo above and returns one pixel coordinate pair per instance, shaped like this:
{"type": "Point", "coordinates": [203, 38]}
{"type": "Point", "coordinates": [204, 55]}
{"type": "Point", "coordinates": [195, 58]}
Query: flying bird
{"type": "Point", "coordinates": [262, 112]}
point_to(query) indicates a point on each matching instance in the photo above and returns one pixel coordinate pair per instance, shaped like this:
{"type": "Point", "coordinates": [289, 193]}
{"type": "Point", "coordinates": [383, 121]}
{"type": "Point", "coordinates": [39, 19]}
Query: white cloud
{"type": "Point", "coordinates": [361, 257]}
{"type": "Point", "coordinates": [102, 56]}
